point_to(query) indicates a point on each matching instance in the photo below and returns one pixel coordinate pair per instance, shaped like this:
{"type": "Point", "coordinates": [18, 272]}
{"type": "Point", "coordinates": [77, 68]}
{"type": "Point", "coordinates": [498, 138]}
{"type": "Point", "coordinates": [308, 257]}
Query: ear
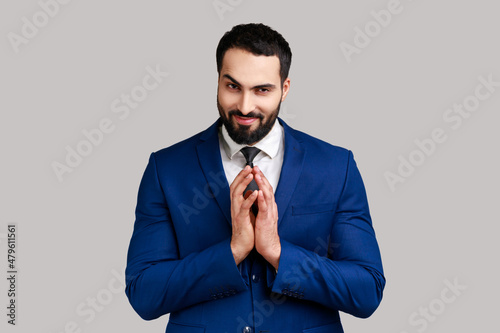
{"type": "Point", "coordinates": [286, 88]}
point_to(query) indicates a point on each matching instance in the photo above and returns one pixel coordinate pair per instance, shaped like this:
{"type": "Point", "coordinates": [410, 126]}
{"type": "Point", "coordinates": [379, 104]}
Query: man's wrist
{"type": "Point", "coordinates": [274, 256]}
{"type": "Point", "coordinates": [238, 254]}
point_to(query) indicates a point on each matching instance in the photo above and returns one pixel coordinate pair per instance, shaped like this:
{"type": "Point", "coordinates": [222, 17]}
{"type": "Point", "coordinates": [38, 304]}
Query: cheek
{"type": "Point", "coordinates": [268, 107]}
{"type": "Point", "coordinates": [227, 100]}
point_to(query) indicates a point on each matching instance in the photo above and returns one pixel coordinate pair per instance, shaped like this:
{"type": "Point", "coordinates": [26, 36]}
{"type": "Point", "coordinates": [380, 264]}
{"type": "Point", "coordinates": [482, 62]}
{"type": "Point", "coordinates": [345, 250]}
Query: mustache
{"type": "Point", "coordinates": [248, 115]}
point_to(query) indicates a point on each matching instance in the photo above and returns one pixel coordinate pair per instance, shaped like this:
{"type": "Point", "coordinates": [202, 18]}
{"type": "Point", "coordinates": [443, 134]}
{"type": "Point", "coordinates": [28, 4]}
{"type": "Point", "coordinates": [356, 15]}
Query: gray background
{"type": "Point", "coordinates": [73, 234]}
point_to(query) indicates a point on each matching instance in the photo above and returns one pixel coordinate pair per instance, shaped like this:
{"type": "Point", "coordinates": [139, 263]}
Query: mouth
{"type": "Point", "coordinates": [245, 120]}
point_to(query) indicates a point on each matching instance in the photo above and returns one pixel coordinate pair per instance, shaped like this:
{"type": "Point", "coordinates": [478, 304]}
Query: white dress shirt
{"type": "Point", "coordinates": [269, 159]}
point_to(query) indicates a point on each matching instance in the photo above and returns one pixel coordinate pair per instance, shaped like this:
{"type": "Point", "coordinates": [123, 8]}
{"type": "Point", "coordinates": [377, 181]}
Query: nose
{"type": "Point", "coordinates": [246, 103]}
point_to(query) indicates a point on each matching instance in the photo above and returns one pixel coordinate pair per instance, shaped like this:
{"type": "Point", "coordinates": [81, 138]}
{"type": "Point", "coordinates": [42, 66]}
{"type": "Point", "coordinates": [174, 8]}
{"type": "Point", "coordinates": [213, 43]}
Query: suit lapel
{"type": "Point", "coordinates": [210, 161]}
{"type": "Point", "coordinates": [291, 169]}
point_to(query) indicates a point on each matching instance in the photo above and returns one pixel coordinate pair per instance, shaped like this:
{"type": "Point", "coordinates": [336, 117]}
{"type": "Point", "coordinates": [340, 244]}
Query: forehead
{"type": "Point", "coordinates": [251, 69]}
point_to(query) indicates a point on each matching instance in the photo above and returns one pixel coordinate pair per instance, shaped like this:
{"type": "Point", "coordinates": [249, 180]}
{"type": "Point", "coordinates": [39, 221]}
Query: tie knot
{"type": "Point", "coordinates": [250, 153]}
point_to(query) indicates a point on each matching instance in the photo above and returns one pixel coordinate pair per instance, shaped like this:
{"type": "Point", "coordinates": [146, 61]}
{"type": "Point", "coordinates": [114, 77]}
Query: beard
{"type": "Point", "coordinates": [242, 134]}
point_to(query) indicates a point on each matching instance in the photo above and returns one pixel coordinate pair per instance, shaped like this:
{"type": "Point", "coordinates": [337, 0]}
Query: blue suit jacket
{"type": "Point", "coordinates": [180, 260]}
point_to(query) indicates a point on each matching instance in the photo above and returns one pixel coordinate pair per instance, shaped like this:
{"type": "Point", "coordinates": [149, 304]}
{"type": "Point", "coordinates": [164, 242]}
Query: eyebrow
{"type": "Point", "coordinates": [265, 85]}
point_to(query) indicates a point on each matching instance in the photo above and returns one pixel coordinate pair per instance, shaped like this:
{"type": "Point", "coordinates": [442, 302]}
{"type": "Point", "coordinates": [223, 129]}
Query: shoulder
{"type": "Point", "coordinates": [316, 147]}
{"type": "Point", "coordinates": [179, 147]}
{"type": "Point", "coordinates": [186, 149]}
{"type": "Point", "coordinates": [322, 158]}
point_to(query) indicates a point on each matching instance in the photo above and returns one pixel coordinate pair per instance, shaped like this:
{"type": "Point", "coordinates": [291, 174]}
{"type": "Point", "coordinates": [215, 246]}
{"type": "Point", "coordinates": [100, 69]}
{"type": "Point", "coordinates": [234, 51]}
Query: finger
{"type": "Point", "coordinates": [263, 205]}
{"type": "Point", "coordinates": [263, 179]}
{"type": "Point", "coordinates": [248, 202]}
{"type": "Point", "coordinates": [239, 190]}
{"type": "Point", "coordinates": [264, 185]}
{"type": "Point", "coordinates": [275, 211]}
{"type": "Point", "coordinates": [240, 176]}
{"type": "Point", "coordinates": [241, 181]}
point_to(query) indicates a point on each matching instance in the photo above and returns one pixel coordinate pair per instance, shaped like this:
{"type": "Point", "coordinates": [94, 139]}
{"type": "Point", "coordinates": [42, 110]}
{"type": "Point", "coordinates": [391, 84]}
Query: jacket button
{"type": "Point", "coordinates": [247, 329]}
{"type": "Point", "coordinates": [255, 278]}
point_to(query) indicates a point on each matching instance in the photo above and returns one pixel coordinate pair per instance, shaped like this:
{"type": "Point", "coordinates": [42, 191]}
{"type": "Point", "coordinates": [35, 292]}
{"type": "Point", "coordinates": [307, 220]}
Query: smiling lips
{"type": "Point", "coordinates": [244, 120]}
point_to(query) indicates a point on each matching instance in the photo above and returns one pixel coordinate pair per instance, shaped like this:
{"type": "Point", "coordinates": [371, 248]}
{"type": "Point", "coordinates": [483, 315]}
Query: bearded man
{"type": "Point", "coordinates": [250, 225]}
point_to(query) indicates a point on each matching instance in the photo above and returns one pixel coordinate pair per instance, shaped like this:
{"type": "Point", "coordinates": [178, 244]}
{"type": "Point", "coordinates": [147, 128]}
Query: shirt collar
{"type": "Point", "coordinates": [269, 144]}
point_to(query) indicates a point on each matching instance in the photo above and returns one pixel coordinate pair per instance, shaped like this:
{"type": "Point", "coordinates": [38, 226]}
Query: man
{"type": "Point", "coordinates": [285, 247]}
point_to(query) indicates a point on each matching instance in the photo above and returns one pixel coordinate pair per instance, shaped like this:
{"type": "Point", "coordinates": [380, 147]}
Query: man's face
{"type": "Point", "coordinates": [249, 94]}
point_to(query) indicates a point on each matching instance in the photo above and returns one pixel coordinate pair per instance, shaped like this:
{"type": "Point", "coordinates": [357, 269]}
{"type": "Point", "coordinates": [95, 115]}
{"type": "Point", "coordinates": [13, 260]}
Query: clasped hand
{"type": "Point", "coordinates": [251, 231]}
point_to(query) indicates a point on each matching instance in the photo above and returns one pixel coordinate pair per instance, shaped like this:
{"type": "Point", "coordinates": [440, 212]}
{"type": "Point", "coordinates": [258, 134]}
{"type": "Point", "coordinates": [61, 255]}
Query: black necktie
{"type": "Point", "coordinates": [250, 153]}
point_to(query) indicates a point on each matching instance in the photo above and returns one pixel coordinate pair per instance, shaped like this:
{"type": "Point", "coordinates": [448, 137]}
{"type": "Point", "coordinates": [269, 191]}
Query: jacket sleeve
{"type": "Point", "coordinates": [158, 281]}
{"type": "Point", "coordinates": [350, 278]}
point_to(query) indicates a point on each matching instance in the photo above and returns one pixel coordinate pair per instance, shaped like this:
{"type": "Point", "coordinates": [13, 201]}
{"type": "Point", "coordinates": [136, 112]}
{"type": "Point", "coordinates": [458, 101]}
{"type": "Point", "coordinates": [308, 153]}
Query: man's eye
{"type": "Point", "coordinates": [232, 86]}
{"type": "Point", "coordinates": [264, 90]}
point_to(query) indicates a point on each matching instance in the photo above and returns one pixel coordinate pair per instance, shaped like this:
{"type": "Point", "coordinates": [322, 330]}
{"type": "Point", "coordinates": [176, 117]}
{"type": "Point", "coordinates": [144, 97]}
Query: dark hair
{"type": "Point", "coordinates": [258, 39]}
